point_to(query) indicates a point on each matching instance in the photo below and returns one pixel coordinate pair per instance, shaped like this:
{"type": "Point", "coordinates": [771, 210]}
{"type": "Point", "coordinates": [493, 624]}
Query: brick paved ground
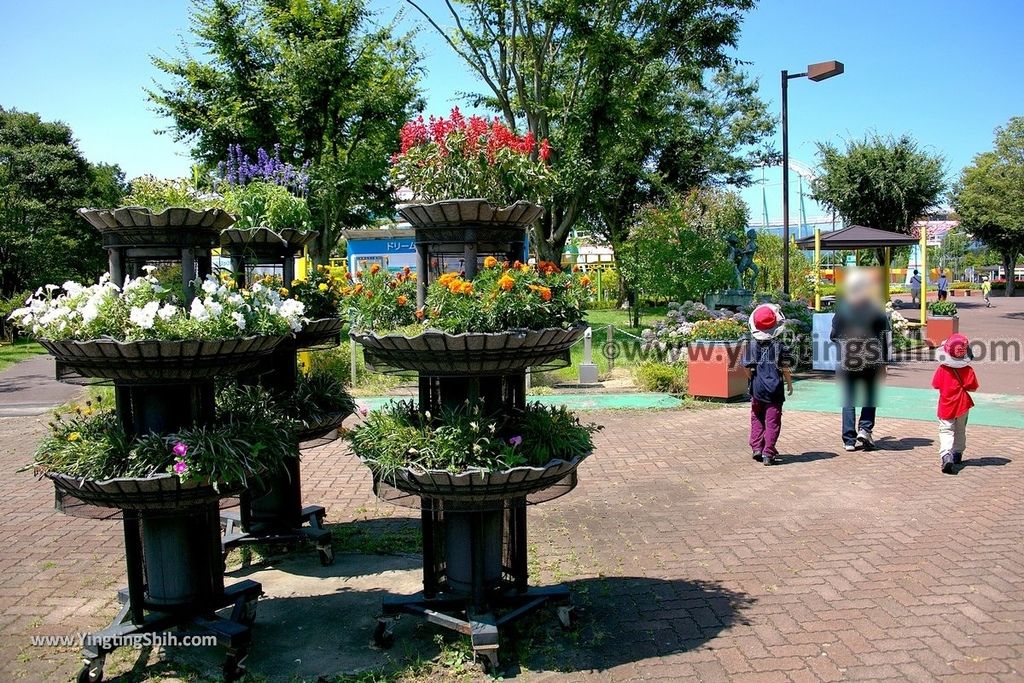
{"type": "Point", "coordinates": [689, 560]}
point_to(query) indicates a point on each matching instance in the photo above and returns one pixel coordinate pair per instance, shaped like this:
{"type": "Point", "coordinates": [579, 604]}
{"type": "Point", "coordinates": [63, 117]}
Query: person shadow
{"type": "Point", "coordinates": [807, 456]}
{"type": "Point", "coordinates": [909, 443]}
{"type": "Point", "coordinates": [985, 461]}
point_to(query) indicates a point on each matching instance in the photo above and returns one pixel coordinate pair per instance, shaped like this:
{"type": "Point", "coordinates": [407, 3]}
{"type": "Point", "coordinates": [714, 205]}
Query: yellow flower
{"type": "Point", "coordinates": [506, 282]}
{"type": "Point", "coordinates": [525, 268]}
{"type": "Point", "coordinates": [490, 262]}
{"type": "Point", "coordinates": [74, 436]}
{"type": "Point", "coordinates": [374, 269]}
{"type": "Point", "coordinates": [322, 287]}
{"type": "Point", "coordinates": [283, 291]}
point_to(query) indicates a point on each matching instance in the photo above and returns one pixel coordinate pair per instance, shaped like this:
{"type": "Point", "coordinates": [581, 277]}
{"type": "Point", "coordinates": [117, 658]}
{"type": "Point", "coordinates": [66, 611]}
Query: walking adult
{"type": "Point", "coordinates": [861, 330]}
{"type": "Point", "coordinates": [915, 288]}
{"type": "Point", "coordinates": [942, 285]}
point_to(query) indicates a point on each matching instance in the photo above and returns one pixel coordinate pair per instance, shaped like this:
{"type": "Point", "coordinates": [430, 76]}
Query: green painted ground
{"type": "Point", "coordinates": [994, 410]}
{"type": "Point", "coordinates": [644, 401]}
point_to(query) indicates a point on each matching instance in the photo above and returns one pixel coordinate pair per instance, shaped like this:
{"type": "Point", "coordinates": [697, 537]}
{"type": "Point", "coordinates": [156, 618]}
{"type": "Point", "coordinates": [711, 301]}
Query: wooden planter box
{"type": "Point", "coordinates": [715, 370]}
{"type": "Point", "coordinates": [940, 328]}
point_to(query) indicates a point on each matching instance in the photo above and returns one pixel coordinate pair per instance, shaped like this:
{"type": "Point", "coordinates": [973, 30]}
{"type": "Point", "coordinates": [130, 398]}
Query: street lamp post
{"type": "Point", "coordinates": [815, 72]}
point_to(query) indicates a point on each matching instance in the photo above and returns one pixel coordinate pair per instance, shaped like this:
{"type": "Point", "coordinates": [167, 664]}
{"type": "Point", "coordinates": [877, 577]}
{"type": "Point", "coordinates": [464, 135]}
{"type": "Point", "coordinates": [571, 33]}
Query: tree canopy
{"type": "Point", "coordinates": [318, 77]}
{"type": "Point", "coordinates": [989, 196]}
{"type": "Point", "coordinates": [880, 182]}
{"type": "Point", "coordinates": [637, 98]}
{"type": "Point", "coordinates": [44, 180]}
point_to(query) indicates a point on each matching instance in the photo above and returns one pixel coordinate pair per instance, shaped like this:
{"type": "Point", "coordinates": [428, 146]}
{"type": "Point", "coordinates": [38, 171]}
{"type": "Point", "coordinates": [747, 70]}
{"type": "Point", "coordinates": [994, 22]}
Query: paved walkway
{"type": "Point", "coordinates": [29, 388]}
{"type": "Point", "coordinates": [689, 560]}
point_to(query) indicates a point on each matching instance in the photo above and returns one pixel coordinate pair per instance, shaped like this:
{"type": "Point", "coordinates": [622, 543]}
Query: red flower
{"type": "Point", "coordinates": [545, 150]}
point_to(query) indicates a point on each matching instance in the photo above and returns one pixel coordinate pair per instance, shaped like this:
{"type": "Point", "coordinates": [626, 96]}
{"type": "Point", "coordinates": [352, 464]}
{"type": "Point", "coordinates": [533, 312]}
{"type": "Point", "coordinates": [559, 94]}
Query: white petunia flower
{"type": "Point", "coordinates": [210, 286]}
{"type": "Point", "coordinates": [239, 320]}
{"type": "Point", "coordinates": [198, 311]}
{"type": "Point", "coordinates": [167, 311]}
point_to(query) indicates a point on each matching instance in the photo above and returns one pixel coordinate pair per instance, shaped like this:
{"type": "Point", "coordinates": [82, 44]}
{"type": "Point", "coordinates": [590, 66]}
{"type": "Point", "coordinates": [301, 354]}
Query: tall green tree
{"type": "Point", "coordinates": [318, 77]}
{"type": "Point", "coordinates": [638, 98]}
{"type": "Point", "coordinates": [989, 196]}
{"type": "Point", "coordinates": [881, 182]}
{"type": "Point", "coordinates": [44, 179]}
{"type": "Point", "coordinates": [677, 248]}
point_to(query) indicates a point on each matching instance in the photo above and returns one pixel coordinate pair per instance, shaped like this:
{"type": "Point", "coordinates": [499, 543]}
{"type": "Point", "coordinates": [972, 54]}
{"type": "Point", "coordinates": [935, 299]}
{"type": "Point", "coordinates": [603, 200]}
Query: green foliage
{"type": "Point", "coordinates": [769, 262]}
{"type": "Point", "coordinates": [884, 183]}
{"type": "Point", "coordinates": [318, 396]}
{"type": "Point", "coordinates": [44, 180]}
{"type": "Point", "coordinates": [661, 377]}
{"type": "Point", "coordinates": [157, 194]}
{"type": "Point", "coordinates": [251, 437]}
{"type": "Point", "coordinates": [637, 98]}
{"type": "Point", "coordinates": [262, 204]}
{"type": "Point", "coordinates": [725, 329]}
{"type": "Point", "coordinates": [942, 308]}
{"type": "Point", "coordinates": [677, 250]}
{"type": "Point", "coordinates": [468, 437]}
{"type": "Point", "coordinates": [989, 195]}
{"type": "Point", "coordinates": [323, 78]}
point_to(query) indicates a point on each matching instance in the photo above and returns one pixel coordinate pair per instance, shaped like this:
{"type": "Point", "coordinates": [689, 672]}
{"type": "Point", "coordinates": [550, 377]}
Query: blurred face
{"type": "Point", "coordinates": [862, 285]}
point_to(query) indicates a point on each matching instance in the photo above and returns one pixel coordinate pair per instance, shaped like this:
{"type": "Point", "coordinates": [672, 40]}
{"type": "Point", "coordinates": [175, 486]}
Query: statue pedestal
{"type": "Point", "coordinates": [733, 299]}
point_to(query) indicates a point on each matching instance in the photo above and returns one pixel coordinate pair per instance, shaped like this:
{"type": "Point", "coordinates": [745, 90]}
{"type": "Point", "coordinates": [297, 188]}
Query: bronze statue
{"type": "Point", "coordinates": [742, 257]}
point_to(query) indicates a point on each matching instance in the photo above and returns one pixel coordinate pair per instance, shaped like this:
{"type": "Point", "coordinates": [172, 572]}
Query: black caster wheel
{"type": "Point", "coordinates": [383, 637]}
{"type": "Point", "coordinates": [92, 672]}
{"type": "Point", "coordinates": [326, 555]}
{"type": "Point", "coordinates": [567, 617]}
{"type": "Point", "coordinates": [234, 669]}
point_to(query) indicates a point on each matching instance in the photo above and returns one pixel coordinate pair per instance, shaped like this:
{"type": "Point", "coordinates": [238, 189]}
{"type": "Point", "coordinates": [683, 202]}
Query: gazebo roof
{"type": "Point", "coordinates": [858, 237]}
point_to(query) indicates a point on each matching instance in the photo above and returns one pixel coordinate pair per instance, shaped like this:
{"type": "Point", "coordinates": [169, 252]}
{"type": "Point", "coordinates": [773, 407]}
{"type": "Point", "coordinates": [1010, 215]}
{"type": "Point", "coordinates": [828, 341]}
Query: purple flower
{"type": "Point", "coordinates": [363, 410]}
{"type": "Point", "coordinates": [180, 449]}
{"type": "Point", "coordinates": [516, 440]}
{"type": "Point", "coordinates": [180, 466]}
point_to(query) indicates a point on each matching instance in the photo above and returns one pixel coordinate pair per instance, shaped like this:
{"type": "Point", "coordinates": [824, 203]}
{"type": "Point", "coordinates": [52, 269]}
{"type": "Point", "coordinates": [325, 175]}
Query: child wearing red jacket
{"type": "Point", "coordinates": [954, 378]}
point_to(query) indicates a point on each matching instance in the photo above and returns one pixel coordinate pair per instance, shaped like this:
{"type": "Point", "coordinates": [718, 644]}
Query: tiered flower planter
{"type": "Point", "coordinates": [474, 523]}
{"type": "Point", "coordinates": [273, 512]}
{"type": "Point", "coordinates": [172, 529]}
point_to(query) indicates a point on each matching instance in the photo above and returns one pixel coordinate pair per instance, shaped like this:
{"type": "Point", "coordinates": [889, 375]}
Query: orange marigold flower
{"type": "Point", "coordinates": [374, 269]}
{"type": "Point", "coordinates": [545, 294]}
{"type": "Point", "coordinates": [369, 294]}
{"type": "Point", "coordinates": [506, 282]}
{"type": "Point", "coordinates": [466, 288]}
{"type": "Point", "coordinates": [516, 265]}
{"type": "Point", "coordinates": [406, 270]}
{"type": "Point", "coordinates": [402, 300]}
{"type": "Point", "coordinates": [420, 315]}
{"type": "Point", "coordinates": [585, 281]}
{"type": "Point", "coordinates": [547, 267]}
{"type": "Point", "coordinates": [358, 288]}
{"type": "Point", "coordinates": [490, 262]}
{"type": "Point", "coordinates": [575, 269]}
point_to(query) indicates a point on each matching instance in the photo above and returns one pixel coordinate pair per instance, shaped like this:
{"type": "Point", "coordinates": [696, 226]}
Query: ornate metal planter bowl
{"type": "Point", "coordinates": [151, 361]}
{"type": "Point", "coordinates": [267, 240]}
{"type": "Point", "coordinates": [135, 226]}
{"type": "Point", "coordinates": [470, 213]}
{"type": "Point", "coordinates": [329, 425]}
{"type": "Point", "coordinates": [439, 353]}
{"type": "Point", "coordinates": [320, 333]}
{"type": "Point", "coordinates": [159, 492]}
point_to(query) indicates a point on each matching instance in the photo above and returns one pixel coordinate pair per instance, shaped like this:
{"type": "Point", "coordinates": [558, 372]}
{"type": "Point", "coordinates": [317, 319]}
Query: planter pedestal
{"type": "Point", "coordinates": [940, 328]}
{"type": "Point", "coordinates": [715, 370]}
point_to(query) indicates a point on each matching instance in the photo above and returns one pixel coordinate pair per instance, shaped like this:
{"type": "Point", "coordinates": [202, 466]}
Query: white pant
{"type": "Point", "coordinates": [953, 435]}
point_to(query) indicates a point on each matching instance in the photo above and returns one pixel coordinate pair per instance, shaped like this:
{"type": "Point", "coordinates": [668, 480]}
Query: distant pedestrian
{"type": "Point", "coordinates": [942, 285]}
{"type": "Point", "coordinates": [767, 363]}
{"type": "Point", "coordinates": [986, 291]}
{"type": "Point", "coordinates": [954, 378]}
{"type": "Point", "coordinates": [915, 288]}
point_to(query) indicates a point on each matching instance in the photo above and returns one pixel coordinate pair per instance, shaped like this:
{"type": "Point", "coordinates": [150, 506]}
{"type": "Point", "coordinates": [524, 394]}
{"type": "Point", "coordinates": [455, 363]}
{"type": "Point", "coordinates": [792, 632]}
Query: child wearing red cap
{"type": "Point", "coordinates": [767, 362]}
{"type": "Point", "coordinates": [954, 378]}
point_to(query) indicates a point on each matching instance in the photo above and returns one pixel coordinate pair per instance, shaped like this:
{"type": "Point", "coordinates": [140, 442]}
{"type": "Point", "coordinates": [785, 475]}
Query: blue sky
{"type": "Point", "coordinates": [946, 71]}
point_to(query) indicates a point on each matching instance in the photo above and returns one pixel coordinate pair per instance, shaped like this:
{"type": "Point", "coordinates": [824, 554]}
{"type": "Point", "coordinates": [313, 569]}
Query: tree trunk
{"type": "Point", "coordinates": [1010, 265]}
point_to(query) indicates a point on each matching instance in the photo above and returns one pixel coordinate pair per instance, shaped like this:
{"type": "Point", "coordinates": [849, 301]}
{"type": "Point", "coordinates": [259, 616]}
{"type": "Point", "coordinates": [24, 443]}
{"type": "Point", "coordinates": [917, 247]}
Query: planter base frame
{"type": "Point", "coordinates": [311, 528]}
{"type": "Point", "coordinates": [484, 606]}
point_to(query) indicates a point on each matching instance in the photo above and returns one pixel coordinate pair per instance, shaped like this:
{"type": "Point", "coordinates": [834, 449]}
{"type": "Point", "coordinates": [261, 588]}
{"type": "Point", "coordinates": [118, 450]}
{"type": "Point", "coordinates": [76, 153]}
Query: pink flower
{"type": "Point", "coordinates": [180, 449]}
{"type": "Point", "coordinates": [180, 466]}
{"type": "Point", "coordinates": [363, 410]}
{"type": "Point", "coordinates": [516, 440]}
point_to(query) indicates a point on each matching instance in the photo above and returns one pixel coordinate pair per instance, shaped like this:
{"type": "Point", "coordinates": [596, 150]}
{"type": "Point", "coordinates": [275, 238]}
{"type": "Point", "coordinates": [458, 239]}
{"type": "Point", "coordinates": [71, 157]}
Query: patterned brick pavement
{"type": "Point", "coordinates": [690, 560]}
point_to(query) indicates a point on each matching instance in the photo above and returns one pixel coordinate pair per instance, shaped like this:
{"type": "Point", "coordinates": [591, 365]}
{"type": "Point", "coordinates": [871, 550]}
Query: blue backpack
{"type": "Point", "coordinates": [767, 382]}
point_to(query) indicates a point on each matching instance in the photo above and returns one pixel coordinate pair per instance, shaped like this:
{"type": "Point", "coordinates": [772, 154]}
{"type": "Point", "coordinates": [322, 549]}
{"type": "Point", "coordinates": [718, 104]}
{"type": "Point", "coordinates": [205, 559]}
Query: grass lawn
{"type": "Point", "coordinates": [18, 351]}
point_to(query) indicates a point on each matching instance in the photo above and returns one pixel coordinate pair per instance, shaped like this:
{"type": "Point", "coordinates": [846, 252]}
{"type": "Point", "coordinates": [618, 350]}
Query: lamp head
{"type": "Point", "coordinates": [823, 70]}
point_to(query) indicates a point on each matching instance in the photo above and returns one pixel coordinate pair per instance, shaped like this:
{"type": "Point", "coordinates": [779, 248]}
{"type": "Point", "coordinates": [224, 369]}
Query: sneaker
{"type": "Point", "coordinates": [864, 437]}
{"type": "Point", "coordinates": [957, 457]}
{"type": "Point", "coordinates": [769, 459]}
{"type": "Point", "coordinates": [756, 456]}
{"type": "Point", "coordinates": [849, 447]}
{"type": "Point", "coordinates": [947, 464]}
